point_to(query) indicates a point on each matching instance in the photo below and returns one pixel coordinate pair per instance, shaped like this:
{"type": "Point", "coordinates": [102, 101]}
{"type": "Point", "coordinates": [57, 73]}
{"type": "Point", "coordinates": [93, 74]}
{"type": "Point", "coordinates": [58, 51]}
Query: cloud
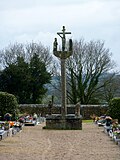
{"type": "Point", "coordinates": [28, 20]}
{"type": "Point", "coordinates": [44, 38]}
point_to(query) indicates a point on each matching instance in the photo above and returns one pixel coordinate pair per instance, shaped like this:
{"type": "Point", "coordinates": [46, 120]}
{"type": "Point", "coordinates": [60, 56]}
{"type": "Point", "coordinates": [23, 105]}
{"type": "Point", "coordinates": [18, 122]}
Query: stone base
{"type": "Point", "coordinates": [68, 122]}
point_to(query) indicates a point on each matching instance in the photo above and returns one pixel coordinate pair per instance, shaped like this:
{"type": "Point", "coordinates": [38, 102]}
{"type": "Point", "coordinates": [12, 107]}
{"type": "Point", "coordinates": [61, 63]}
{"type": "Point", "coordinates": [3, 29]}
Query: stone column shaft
{"type": "Point", "coordinates": [63, 87]}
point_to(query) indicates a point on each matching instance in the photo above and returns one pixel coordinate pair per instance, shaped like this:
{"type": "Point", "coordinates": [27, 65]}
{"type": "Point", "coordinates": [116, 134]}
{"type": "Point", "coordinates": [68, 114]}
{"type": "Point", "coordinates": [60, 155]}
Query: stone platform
{"type": "Point", "coordinates": [68, 122]}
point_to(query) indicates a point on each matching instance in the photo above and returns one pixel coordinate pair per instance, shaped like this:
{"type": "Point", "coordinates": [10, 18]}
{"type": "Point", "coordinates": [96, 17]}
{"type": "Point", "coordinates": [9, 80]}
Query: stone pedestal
{"type": "Point", "coordinates": [64, 121]}
{"type": "Point", "coordinates": [69, 122]}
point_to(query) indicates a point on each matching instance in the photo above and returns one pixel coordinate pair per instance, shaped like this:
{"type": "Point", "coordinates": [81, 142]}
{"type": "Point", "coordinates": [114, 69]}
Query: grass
{"type": "Point", "coordinates": [87, 121]}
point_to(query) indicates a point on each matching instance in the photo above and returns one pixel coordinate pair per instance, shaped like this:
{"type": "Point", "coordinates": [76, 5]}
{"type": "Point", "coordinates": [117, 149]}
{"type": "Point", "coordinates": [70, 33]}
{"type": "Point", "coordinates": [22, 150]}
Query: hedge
{"type": "Point", "coordinates": [114, 108]}
{"type": "Point", "coordinates": [8, 104]}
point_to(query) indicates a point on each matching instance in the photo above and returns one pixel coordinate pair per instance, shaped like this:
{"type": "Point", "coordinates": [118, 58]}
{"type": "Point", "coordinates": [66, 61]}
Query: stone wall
{"type": "Point", "coordinates": [85, 110]}
{"type": "Point", "coordinates": [69, 122]}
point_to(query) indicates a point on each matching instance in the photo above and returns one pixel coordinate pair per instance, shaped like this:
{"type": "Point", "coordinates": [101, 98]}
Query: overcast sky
{"type": "Point", "coordinates": [40, 20]}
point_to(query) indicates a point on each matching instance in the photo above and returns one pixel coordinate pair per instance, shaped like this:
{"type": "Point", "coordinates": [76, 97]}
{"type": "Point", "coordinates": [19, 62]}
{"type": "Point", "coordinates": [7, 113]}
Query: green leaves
{"type": "Point", "coordinates": [25, 80]}
{"type": "Point", "coordinates": [8, 104]}
{"type": "Point", "coordinates": [114, 108]}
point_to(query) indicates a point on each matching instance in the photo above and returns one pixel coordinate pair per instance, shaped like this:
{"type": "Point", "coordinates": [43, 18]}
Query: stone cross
{"type": "Point", "coordinates": [63, 33]}
{"type": "Point", "coordinates": [63, 55]}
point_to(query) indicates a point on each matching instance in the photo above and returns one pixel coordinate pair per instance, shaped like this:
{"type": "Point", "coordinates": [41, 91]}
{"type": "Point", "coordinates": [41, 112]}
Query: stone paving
{"type": "Point", "coordinates": [34, 143]}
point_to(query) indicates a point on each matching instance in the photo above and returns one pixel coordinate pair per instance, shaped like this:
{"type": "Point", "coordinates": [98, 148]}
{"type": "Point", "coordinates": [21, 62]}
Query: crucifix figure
{"type": "Point", "coordinates": [63, 33]}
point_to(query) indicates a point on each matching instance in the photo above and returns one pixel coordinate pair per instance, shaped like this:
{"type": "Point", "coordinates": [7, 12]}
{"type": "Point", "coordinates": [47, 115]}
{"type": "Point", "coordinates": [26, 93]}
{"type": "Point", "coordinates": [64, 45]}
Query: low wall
{"type": "Point", "coordinates": [86, 110]}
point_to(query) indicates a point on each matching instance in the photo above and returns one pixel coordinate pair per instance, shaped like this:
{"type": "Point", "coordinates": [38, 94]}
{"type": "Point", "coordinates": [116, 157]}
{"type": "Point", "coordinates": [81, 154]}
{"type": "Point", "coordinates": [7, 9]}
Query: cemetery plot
{"type": "Point", "coordinates": [111, 128]}
{"type": "Point", "coordinates": [30, 121]}
{"type": "Point", "coordinates": [3, 134]}
{"type": "Point", "coordinates": [9, 128]}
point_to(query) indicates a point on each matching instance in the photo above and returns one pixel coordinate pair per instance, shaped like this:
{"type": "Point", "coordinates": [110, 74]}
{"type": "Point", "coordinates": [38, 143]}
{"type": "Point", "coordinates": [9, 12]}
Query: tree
{"type": "Point", "coordinates": [9, 54]}
{"type": "Point", "coordinates": [42, 52]}
{"type": "Point", "coordinates": [14, 79]}
{"type": "Point", "coordinates": [111, 89]}
{"type": "Point", "coordinates": [8, 104]}
{"type": "Point", "coordinates": [39, 77]}
{"type": "Point", "coordinates": [114, 108]}
{"type": "Point", "coordinates": [84, 69]}
{"type": "Point", "coordinates": [25, 75]}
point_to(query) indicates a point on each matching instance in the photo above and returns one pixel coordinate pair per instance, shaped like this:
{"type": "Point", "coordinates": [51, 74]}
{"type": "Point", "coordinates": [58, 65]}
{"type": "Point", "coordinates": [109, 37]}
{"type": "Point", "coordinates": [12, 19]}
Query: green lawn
{"type": "Point", "coordinates": [87, 121]}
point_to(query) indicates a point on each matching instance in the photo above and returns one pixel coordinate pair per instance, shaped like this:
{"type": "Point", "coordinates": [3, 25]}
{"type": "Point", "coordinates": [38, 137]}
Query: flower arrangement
{"type": "Point", "coordinates": [117, 134]}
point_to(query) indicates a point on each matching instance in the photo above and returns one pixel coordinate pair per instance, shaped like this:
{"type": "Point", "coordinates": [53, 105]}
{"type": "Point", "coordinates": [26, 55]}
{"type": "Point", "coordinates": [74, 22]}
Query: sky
{"type": "Point", "coordinates": [25, 21]}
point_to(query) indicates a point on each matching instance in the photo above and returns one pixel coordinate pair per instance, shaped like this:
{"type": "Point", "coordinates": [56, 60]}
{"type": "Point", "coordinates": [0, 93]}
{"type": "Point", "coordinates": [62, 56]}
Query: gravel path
{"type": "Point", "coordinates": [34, 143]}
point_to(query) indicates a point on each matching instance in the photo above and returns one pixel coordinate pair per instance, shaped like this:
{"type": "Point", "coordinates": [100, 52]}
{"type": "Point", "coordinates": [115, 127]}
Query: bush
{"type": "Point", "coordinates": [114, 109]}
{"type": "Point", "coordinates": [8, 104]}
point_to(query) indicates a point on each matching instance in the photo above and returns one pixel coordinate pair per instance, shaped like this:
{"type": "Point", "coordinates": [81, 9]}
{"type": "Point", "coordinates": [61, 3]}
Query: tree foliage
{"type": "Point", "coordinates": [8, 104]}
{"type": "Point", "coordinates": [14, 79]}
{"type": "Point", "coordinates": [25, 75]}
{"type": "Point", "coordinates": [114, 108]}
{"type": "Point", "coordinates": [111, 88]}
{"type": "Point", "coordinates": [39, 77]}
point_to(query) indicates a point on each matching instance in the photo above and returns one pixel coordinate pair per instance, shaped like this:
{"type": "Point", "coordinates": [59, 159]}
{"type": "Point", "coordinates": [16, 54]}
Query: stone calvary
{"type": "Point", "coordinates": [64, 120]}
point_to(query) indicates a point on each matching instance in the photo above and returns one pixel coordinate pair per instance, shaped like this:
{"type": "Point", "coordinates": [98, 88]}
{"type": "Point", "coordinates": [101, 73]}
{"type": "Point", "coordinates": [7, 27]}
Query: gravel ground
{"type": "Point", "coordinates": [34, 143]}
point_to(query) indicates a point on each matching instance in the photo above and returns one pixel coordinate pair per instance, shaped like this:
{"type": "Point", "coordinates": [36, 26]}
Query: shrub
{"type": "Point", "coordinates": [8, 104]}
{"type": "Point", "coordinates": [114, 108]}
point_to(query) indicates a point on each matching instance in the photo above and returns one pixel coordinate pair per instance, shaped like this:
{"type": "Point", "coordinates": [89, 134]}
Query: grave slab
{"type": "Point", "coordinates": [3, 134]}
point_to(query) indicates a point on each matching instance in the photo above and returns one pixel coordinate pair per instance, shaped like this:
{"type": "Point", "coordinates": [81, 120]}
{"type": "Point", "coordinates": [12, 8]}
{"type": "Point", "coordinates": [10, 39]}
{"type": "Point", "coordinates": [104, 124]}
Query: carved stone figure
{"type": "Point", "coordinates": [55, 45]}
{"type": "Point", "coordinates": [50, 107]}
{"type": "Point", "coordinates": [77, 109]}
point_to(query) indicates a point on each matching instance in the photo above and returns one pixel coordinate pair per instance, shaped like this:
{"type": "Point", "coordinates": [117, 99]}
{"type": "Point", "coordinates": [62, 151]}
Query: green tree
{"type": "Point", "coordinates": [8, 104]}
{"type": "Point", "coordinates": [39, 77]}
{"type": "Point", "coordinates": [114, 108]}
{"type": "Point", "coordinates": [14, 79]}
{"type": "Point", "coordinates": [25, 69]}
{"type": "Point", "coordinates": [25, 80]}
{"type": "Point", "coordinates": [110, 89]}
